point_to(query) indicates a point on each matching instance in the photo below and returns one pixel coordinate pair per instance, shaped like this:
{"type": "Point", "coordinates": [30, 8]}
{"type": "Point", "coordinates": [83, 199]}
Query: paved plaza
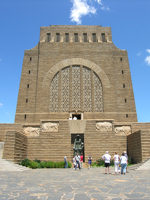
{"type": "Point", "coordinates": [68, 184]}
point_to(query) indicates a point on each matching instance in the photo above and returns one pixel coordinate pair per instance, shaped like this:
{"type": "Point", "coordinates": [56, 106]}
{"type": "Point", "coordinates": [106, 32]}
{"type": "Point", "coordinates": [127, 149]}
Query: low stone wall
{"type": "Point", "coordinates": [140, 126]}
{"type": "Point", "coordinates": [53, 142]}
{"type": "Point", "coordinates": [8, 127]}
{"type": "Point", "coordinates": [15, 147]}
{"type": "Point", "coordinates": [145, 143]}
{"type": "Point", "coordinates": [100, 137]}
{"type": "Point", "coordinates": [134, 146]}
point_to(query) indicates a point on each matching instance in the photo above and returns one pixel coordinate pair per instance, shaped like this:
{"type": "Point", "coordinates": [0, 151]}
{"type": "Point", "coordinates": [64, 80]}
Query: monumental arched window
{"type": "Point", "coordinates": [76, 88]}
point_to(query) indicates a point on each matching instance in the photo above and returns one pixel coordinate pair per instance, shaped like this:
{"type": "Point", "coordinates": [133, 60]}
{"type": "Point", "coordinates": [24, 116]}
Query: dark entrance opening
{"type": "Point", "coordinates": [78, 116]}
{"type": "Point", "coordinates": [73, 137]}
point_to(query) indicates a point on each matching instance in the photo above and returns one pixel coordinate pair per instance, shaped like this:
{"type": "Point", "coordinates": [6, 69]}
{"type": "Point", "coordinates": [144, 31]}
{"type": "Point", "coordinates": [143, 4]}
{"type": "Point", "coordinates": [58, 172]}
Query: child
{"type": "Point", "coordinates": [89, 161]}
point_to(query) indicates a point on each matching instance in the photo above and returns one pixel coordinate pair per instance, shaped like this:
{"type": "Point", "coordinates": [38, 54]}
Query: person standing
{"type": "Point", "coordinates": [81, 160]}
{"type": "Point", "coordinates": [123, 161]}
{"type": "Point", "coordinates": [65, 160]}
{"type": "Point", "coordinates": [125, 153]}
{"type": "Point", "coordinates": [77, 157]}
{"type": "Point", "coordinates": [74, 163]}
{"type": "Point", "coordinates": [106, 157]}
{"type": "Point", "coordinates": [116, 162]}
{"type": "Point", "coordinates": [89, 161]}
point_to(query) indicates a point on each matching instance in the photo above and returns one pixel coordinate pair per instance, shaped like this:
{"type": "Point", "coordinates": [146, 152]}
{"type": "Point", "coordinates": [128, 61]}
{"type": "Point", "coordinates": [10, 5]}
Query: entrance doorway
{"type": "Point", "coordinates": [77, 116]}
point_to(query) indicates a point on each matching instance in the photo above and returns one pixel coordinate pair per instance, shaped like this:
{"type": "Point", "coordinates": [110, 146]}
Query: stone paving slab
{"type": "Point", "coordinates": [68, 184]}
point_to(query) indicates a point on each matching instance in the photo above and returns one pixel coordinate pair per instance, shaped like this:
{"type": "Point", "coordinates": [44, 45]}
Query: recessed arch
{"type": "Point", "coordinates": [76, 61]}
{"type": "Point", "coordinates": [76, 88]}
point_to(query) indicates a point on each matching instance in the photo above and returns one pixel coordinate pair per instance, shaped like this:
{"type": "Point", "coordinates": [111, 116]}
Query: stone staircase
{"type": "Point", "coordinates": [1, 149]}
{"type": "Point", "coordinates": [6, 165]}
{"type": "Point", "coordinates": [144, 166]}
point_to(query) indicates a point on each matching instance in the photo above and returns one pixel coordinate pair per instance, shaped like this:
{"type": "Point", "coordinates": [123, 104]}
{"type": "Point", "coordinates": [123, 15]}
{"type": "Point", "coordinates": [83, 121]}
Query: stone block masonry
{"type": "Point", "coordinates": [75, 71]}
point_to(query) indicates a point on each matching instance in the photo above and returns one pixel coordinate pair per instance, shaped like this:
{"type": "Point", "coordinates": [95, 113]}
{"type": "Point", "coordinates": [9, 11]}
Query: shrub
{"type": "Point", "coordinates": [69, 165]}
{"type": "Point", "coordinates": [26, 162]}
{"type": "Point", "coordinates": [131, 161]}
{"type": "Point", "coordinates": [38, 161]}
{"type": "Point", "coordinates": [101, 163]}
{"type": "Point", "coordinates": [34, 165]}
{"type": "Point", "coordinates": [43, 164]}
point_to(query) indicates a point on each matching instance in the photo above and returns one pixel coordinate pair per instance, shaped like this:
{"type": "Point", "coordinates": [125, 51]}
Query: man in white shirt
{"type": "Point", "coordinates": [77, 158]}
{"type": "Point", "coordinates": [106, 157]}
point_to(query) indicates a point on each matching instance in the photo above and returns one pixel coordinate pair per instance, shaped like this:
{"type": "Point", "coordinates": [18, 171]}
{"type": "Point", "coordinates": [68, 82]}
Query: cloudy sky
{"type": "Point", "coordinates": [20, 22]}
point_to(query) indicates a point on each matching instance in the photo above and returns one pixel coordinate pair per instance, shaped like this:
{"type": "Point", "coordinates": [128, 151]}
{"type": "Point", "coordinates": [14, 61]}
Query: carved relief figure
{"type": "Point", "coordinates": [32, 131]}
{"type": "Point", "coordinates": [123, 130]}
{"type": "Point", "coordinates": [50, 127]}
{"type": "Point", "coordinates": [104, 126]}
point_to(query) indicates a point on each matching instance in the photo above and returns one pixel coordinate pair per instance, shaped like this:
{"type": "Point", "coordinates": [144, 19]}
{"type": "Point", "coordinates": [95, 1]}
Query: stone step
{"type": "Point", "coordinates": [1, 149]}
{"type": "Point", "coordinates": [145, 165]}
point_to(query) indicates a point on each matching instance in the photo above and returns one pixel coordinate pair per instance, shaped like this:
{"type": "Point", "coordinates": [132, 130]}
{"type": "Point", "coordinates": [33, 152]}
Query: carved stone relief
{"type": "Point", "coordinates": [104, 126]}
{"type": "Point", "coordinates": [32, 131]}
{"type": "Point", "coordinates": [122, 130]}
{"type": "Point", "coordinates": [50, 127]}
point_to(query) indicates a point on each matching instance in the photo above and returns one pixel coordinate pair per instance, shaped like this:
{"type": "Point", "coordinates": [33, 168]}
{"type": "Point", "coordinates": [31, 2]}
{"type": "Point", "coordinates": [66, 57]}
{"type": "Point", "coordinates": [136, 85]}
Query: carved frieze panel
{"type": "Point", "coordinates": [50, 127]}
{"type": "Point", "coordinates": [104, 126]}
{"type": "Point", "coordinates": [32, 131]}
{"type": "Point", "coordinates": [122, 130]}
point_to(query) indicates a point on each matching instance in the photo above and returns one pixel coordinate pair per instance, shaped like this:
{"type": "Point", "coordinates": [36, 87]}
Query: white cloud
{"type": "Point", "coordinates": [147, 60]}
{"type": "Point", "coordinates": [1, 104]}
{"type": "Point", "coordinates": [99, 1]}
{"type": "Point", "coordinates": [148, 50]}
{"type": "Point", "coordinates": [82, 8]}
{"type": "Point", "coordinates": [79, 9]}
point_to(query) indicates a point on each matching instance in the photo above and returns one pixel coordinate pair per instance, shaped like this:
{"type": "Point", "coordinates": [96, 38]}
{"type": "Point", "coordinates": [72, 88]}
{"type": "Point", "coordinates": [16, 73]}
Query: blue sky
{"type": "Point", "coordinates": [20, 22]}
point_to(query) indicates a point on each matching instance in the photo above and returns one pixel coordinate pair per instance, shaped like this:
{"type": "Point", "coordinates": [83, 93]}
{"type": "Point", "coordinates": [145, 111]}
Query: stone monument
{"type": "Point", "coordinates": [75, 71]}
